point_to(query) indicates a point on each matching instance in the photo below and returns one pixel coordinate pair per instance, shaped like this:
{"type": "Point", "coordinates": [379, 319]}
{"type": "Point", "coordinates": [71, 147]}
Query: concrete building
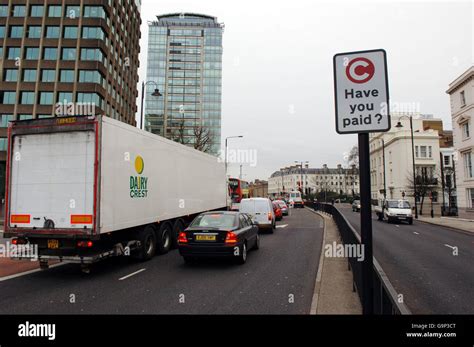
{"type": "Point", "coordinates": [67, 57]}
{"type": "Point", "coordinates": [185, 64]}
{"type": "Point", "coordinates": [258, 189]}
{"type": "Point", "coordinates": [391, 162]}
{"type": "Point", "coordinates": [341, 181]}
{"type": "Point", "coordinates": [461, 92]}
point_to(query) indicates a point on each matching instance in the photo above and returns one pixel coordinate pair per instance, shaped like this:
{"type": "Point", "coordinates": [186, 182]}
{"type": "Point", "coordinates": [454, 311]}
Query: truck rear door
{"type": "Point", "coordinates": [52, 180]}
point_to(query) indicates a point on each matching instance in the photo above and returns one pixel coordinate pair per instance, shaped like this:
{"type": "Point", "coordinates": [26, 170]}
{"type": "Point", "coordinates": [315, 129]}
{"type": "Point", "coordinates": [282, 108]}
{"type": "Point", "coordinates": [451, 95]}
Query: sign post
{"type": "Point", "coordinates": [362, 107]}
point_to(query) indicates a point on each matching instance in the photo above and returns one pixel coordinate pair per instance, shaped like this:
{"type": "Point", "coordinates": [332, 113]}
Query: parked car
{"type": "Point", "coordinates": [219, 234]}
{"type": "Point", "coordinates": [261, 212]}
{"type": "Point", "coordinates": [277, 211]}
{"type": "Point", "coordinates": [283, 207]}
{"type": "Point", "coordinates": [356, 206]}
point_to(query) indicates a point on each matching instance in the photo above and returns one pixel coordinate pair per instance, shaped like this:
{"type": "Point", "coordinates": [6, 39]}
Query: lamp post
{"type": "Point", "coordinates": [399, 125]}
{"type": "Point", "coordinates": [301, 166]}
{"type": "Point", "coordinates": [155, 93]}
{"type": "Point", "coordinates": [225, 159]}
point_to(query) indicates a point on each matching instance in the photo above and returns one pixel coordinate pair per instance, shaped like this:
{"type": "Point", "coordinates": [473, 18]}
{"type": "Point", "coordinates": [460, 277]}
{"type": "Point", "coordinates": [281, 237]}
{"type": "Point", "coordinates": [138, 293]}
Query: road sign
{"type": "Point", "coordinates": [361, 92]}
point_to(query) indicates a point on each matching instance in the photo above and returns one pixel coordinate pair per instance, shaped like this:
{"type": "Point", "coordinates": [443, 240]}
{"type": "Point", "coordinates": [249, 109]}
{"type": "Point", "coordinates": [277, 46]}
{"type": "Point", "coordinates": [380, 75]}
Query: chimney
{"type": "Point", "coordinates": [339, 166]}
{"type": "Point", "coordinates": [325, 166]}
{"type": "Point", "coordinates": [306, 166]}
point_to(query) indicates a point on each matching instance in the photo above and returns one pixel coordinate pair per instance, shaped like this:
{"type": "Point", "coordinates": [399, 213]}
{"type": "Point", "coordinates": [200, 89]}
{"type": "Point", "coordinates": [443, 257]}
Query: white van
{"type": "Point", "coordinates": [296, 200]}
{"type": "Point", "coordinates": [261, 211]}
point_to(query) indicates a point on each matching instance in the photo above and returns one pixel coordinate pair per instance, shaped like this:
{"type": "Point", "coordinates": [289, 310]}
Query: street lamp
{"type": "Point", "coordinates": [301, 166]}
{"type": "Point", "coordinates": [155, 93]}
{"type": "Point", "coordinates": [225, 159]}
{"type": "Point", "coordinates": [399, 126]}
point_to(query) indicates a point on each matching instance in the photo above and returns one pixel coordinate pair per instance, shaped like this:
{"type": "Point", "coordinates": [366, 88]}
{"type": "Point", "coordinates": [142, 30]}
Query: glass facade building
{"type": "Point", "coordinates": [185, 64]}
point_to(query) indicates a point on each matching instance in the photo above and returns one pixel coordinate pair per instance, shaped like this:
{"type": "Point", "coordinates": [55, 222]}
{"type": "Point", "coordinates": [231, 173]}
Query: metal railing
{"type": "Point", "coordinates": [386, 299]}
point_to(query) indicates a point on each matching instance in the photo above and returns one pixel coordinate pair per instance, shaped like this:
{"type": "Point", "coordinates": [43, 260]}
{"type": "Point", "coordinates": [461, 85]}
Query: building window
{"type": "Point", "coordinates": [66, 76]}
{"type": "Point", "coordinates": [45, 116]}
{"type": "Point", "coordinates": [466, 133]}
{"type": "Point", "coordinates": [34, 32]}
{"type": "Point", "coordinates": [9, 98]}
{"type": "Point", "coordinates": [4, 11]}
{"type": "Point", "coordinates": [94, 54]}
{"type": "Point", "coordinates": [90, 76]}
{"type": "Point", "coordinates": [70, 32]}
{"type": "Point", "coordinates": [54, 11]}
{"type": "Point", "coordinates": [65, 97]}
{"type": "Point", "coordinates": [467, 159]}
{"type": "Point", "coordinates": [52, 32]}
{"type": "Point", "coordinates": [69, 54]}
{"type": "Point", "coordinates": [447, 160]}
{"type": "Point", "coordinates": [50, 53]}
{"type": "Point", "coordinates": [10, 75]}
{"type": "Point", "coordinates": [25, 116]}
{"type": "Point", "coordinates": [93, 33]}
{"type": "Point", "coordinates": [94, 12]}
{"type": "Point", "coordinates": [4, 119]}
{"type": "Point", "coordinates": [46, 98]}
{"type": "Point", "coordinates": [32, 53]}
{"type": "Point", "coordinates": [16, 32]}
{"type": "Point", "coordinates": [19, 11]}
{"type": "Point", "coordinates": [463, 98]}
{"type": "Point", "coordinates": [470, 197]}
{"type": "Point", "coordinates": [48, 75]}
{"type": "Point", "coordinates": [37, 11]}
{"type": "Point", "coordinates": [2, 32]}
{"type": "Point", "coordinates": [29, 75]}
{"type": "Point", "coordinates": [73, 12]}
{"type": "Point", "coordinates": [27, 98]}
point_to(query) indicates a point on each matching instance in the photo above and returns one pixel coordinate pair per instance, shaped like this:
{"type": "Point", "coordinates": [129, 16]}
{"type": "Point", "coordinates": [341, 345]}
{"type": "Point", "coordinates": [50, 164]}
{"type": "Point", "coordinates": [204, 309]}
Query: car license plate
{"type": "Point", "coordinates": [401, 218]}
{"type": "Point", "coordinates": [205, 237]}
{"type": "Point", "coordinates": [53, 244]}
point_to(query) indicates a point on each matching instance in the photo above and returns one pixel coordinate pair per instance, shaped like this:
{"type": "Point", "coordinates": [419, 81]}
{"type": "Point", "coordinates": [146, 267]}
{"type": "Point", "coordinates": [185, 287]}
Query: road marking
{"type": "Point", "coordinates": [282, 226]}
{"type": "Point", "coordinates": [452, 247]}
{"type": "Point", "coordinates": [29, 272]}
{"type": "Point", "coordinates": [398, 226]}
{"type": "Point", "coordinates": [132, 274]}
{"type": "Point", "coordinates": [416, 233]}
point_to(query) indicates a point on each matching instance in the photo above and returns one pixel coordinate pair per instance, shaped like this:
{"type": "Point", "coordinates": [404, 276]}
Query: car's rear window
{"type": "Point", "coordinates": [214, 221]}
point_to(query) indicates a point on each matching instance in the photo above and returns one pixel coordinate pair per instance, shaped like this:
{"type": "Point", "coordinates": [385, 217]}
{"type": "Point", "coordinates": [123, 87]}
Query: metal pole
{"type": "Point", "coordinates": [384, 176]}
{"type": "Point", "coordinates": [225, 159]}
{"type": "Point", "coordinates": [366, 225]}
{"type": "Point", "coordinates": [443, 185]}
{"type": "Point", "coordinates": [141, 113]}
{"type": "Point", "coordinates": [414, 167]}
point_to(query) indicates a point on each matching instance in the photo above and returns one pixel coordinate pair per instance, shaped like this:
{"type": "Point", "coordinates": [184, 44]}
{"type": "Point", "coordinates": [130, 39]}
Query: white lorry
{"type": "Point", "coordinates": [86, 188]}
{"type": "Point", "coordinates": [394, 211]}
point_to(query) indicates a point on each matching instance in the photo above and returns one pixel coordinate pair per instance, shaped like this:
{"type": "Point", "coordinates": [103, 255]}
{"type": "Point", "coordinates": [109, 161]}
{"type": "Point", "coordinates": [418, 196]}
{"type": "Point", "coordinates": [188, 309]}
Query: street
{"type": "Point", "coordinates": [419, 262]}
{"type": "Point", "coordinates": [285, 267]}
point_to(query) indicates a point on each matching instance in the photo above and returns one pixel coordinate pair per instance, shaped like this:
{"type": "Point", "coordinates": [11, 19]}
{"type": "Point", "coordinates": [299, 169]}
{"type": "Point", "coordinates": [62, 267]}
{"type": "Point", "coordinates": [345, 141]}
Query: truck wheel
{"type": "Point", "coordinates": [163, 238]}
{"type": "Point", "coordinates": [177, 228]}
{"type": "Point", "coordinates": [147, 240]}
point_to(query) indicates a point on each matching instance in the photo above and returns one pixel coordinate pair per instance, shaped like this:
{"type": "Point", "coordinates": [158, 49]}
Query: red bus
{"type": "Point", "coordinates": [238, 190]}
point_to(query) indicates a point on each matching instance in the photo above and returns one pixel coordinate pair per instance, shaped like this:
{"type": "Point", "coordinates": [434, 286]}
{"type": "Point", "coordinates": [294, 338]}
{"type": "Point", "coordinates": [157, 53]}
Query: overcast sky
{"type": "Point", "coordinates": [277, 67]}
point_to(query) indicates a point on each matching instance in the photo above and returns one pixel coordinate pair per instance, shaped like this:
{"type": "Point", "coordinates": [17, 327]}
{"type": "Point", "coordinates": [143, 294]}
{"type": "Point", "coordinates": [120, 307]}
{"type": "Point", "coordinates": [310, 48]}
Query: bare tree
{"type": "Point", "coordinates": [201, 135]}
{"type": "Point", "coordinates": [425, 185]}
{"type": "Point", "coordinates": [353, 157]}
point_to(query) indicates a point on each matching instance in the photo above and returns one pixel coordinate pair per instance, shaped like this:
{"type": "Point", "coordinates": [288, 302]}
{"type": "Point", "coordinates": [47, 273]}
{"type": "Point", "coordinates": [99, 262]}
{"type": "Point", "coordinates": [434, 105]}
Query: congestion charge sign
{"type": "Point", "coordinates": [139, 183]}
{"type": "Point", "coordinates": [361, 92]}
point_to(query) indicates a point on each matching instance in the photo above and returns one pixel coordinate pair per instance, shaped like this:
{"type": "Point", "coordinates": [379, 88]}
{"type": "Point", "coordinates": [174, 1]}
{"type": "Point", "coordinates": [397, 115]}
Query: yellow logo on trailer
{"type": "Point", "coordinates": [139, 184]}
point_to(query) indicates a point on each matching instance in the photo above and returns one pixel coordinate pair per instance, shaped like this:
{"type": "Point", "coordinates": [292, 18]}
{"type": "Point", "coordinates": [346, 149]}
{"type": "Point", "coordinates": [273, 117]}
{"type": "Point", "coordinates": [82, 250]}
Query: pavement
{"type": "Point", "coordinates": [279, 278]}
{"type": "Point", "coordinates": [450, 222]}
{"type": "Point", "coordinates": [333, 289]}
{"type": "Point", "coordinates": [430, 265]}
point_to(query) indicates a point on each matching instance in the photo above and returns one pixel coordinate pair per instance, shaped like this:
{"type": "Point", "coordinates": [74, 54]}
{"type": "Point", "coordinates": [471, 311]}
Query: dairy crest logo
{"type": "Point", "coordinates": [139, 183]}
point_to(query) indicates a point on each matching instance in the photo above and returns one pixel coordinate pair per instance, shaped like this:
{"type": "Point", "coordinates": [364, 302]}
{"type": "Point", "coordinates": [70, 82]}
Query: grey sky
{"type": "Point", "coordinates": [277, 67]}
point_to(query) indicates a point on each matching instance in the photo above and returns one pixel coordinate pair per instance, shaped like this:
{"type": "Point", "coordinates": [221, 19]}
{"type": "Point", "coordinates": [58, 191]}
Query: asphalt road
{"type": "Point", "coordinates": [284, 268]}
{"type": "Point", "coordinates": [420, 263]}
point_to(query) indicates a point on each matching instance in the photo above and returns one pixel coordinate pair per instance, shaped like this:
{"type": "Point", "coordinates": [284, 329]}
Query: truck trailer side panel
{"type": "Point", "coordinates": [146, 178]}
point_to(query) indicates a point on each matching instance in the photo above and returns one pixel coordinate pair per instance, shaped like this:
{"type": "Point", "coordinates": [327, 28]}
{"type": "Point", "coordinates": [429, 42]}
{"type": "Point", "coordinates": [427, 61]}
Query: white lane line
{"type": "Point", "coordinates": [416, 233]}
{"type": "Point", "coordinates": [398, 226]}
{"type": "Point", "coordinates": [282, 226]}
{"type": "Point", "coordinates": [452, 247]}
{"type": "Point", "coordinates": [132, 274]}
{"type": "Point", "coordinates": [6, 278]}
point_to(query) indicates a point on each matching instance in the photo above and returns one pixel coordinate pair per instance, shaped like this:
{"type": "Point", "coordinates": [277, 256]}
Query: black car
{"type": "Point", "coordinates": [219, 234]}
